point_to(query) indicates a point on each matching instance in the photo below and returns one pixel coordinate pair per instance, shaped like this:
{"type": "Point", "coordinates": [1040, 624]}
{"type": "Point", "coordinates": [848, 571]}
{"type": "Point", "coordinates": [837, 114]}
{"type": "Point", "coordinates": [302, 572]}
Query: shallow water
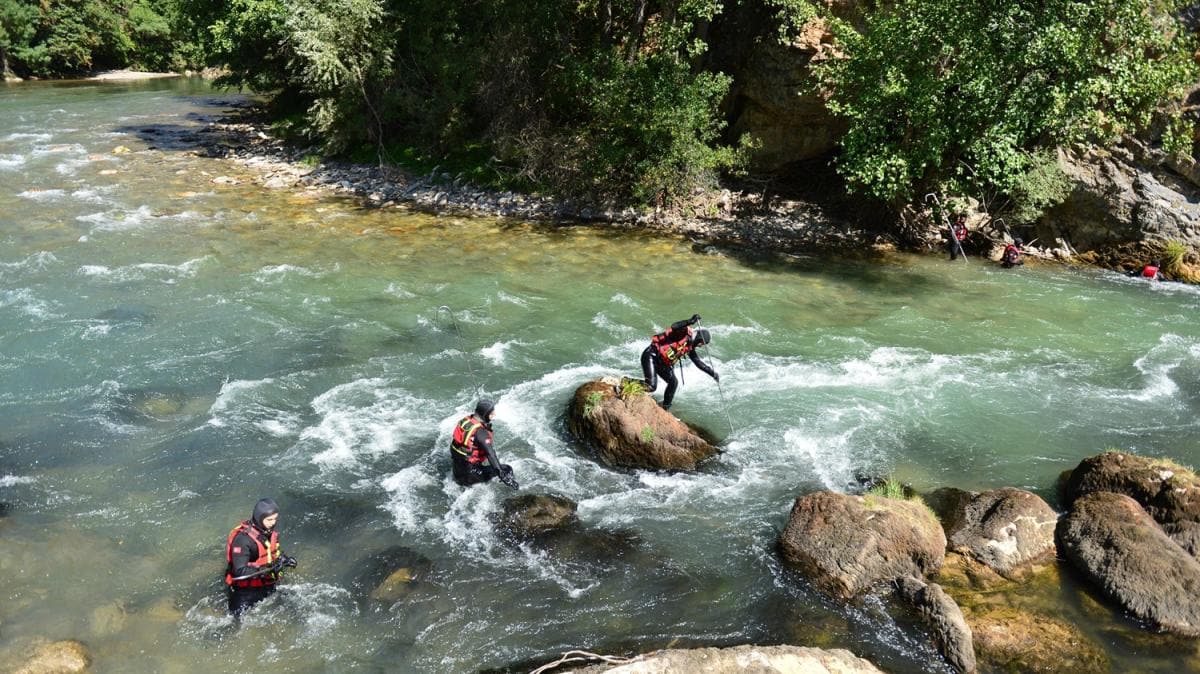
{"type": "Point", "coordinates": [172, 349]}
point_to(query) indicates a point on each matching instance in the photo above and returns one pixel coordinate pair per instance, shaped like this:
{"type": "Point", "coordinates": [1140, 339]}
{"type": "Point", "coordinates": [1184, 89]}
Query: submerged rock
{"type": "Point", "coordinates": [846, 544]}
{"type": "Point", "coordinates": [392, 574]}
{"type": "Point", "coordinates": [532, 515]}
{"type": "Point", "coordinates": [630, 430]}
{"type": "Point", "coordinates": [1007, 529]}
{"type": "Point", "coordinates": [57, 657]}
{"type": "Point", "coordinates": [1012, 640]}
{"type": "Point", "coordinates": [1117, 546]}
{"type": "Point", "coordinates": [764, 659]}
{"type": "Point", "coordinates": [950, 631]}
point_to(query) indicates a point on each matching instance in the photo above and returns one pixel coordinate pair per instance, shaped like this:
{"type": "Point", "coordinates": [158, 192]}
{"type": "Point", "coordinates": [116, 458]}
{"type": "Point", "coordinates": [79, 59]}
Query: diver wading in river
{"type": "Point", "coordinates": [472, 456]}
{"type": "Point", "coordinates": [668, 348]}
{"type": "Point", "coordinates": [253, 559]}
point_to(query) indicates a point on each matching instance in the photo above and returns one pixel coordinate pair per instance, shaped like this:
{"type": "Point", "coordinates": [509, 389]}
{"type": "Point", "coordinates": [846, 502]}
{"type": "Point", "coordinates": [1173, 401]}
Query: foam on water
{"type": "Point", "coordinates": [11, 162]}
{"type": "Point", "coordinates": [361, 419]}
{"type": "Point", "coordinates": [498, 352]}
{"type": "Point", "coordinates": [38, 137]}
{"type": "Point", "coordinates": [13, 480]}
{"type": "Point", "coordinates": [1156, 366]}
{"type": "Point", "coordinates": [278, 273]}
{"type": "Point", "coordinates": [245, 404]}
{"type": "Point", "coordinates": [166, 273]}
{"type": "Point", "coordinates": [125, 219]}
{"type": "Point", "coordinates": [24, 301]}
{"type": "Point", "coordinates": [38, 261]}
{"type": "Point", "coordinates": [622, 298]}
{"type": "Point", "coordinates": [42, 195]}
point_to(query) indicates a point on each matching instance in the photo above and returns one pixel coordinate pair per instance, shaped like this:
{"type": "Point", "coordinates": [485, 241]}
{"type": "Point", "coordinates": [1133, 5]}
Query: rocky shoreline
{"type": "Point", "coordinates": [727, 217]}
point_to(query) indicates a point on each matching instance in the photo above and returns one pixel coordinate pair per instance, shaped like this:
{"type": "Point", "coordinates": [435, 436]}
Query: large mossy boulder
{"type": "Point", "coordinates": [1117, 546]}
{"type": "Point", "coordinates": [529, 516]}
{"type": "Point", "coordinates": [628, 429]}
{"type": "Point", "coordinates": [1009, 530]}
{"type": "Point", "coordinates": [740, 659]}
{"type": "Point", "coordinates": [1168, 491]}
{"type": "Point", "coordinates": [845, 544]}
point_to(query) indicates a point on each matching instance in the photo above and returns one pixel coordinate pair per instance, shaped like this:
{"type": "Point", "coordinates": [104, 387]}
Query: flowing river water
{"type": "Point", "coordinates": [172, 349]}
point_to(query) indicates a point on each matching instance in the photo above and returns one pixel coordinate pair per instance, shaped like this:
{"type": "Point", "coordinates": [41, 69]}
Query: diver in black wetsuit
{"type": "Point", "coordinates": [472, 457]}
{"type": "Point", "coordinates": [668, 348]}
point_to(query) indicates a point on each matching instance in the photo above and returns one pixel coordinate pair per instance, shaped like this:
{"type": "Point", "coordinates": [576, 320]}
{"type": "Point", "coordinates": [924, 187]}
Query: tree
{"type": "Point", "coordinates": [967, 94]}
{"type": "Point", "coordinates": [18, 20]}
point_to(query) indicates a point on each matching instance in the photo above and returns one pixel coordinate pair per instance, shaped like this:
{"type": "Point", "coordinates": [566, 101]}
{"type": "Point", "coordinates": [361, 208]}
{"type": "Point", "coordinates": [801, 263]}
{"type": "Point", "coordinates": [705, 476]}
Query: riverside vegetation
{"type": "Point", "coordinates": [627, 101]}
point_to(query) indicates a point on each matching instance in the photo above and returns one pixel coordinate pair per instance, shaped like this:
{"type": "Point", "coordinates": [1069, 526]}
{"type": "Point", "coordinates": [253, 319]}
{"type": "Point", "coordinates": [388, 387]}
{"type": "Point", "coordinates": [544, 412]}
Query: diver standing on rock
{"type": "Point", "coordinates": [253, 559]}
{"type": "Point", "coordinates": [668, 348]}
{"type": "Point", "coordinates": [472, 456]}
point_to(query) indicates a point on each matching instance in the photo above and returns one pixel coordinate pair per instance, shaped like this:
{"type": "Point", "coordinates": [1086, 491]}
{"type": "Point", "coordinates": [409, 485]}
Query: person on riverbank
{"type": "Point", "coordinates": [253, 558]}
{"type": "Point", "coordinates": [668, 348]}
{"type": "Point", "coordinates": [958, 234]}
{"type": "Point", "coordinates": [1151, 271]}
{"type": "Point", "coordinates": [1012, 255]}
{"type": "Point", "coordinates": [472, 456]}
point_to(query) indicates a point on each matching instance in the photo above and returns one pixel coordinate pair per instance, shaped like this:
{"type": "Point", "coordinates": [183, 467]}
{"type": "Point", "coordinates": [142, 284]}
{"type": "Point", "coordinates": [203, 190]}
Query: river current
{"type": "Point", "coordinates": [173, 348]}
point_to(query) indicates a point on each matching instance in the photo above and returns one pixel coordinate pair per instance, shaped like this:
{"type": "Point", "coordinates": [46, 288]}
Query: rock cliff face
{"type": "Point", "coordinates": [1122, 195]}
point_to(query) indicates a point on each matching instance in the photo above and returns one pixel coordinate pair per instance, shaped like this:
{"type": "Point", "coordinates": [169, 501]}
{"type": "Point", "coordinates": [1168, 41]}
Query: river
{"type": "Point", "coordinates": [172, 349]}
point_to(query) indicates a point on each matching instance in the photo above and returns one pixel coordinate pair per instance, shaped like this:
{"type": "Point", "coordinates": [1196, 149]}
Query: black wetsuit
{"type": "Point", "coordinates": [653, 365]}
{"type": "Point", "coordinates": [467, 473]}
{"type": "Point", "coordinates": [243, 553]}
{"type": "Point", "coordinates": [1011, 257]}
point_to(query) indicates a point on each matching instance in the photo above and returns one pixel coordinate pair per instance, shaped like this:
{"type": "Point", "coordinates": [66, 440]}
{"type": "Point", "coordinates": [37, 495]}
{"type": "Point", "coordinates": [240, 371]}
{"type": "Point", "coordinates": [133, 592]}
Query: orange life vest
{"type": "Point", "coordinates": [268, 552]}
{"type": "Point", "coordinates": [1149, 271]}
{"type": "Point", "coordinates": [672, 352]}
{"type": "Point", "coordinates": [462, 443]}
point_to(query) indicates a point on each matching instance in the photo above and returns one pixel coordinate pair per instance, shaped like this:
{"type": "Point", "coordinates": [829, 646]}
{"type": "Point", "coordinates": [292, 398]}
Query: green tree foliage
{"type": "Point", "coordinates": [602, 98]}
{"type": "Point", "coordinates": [57, 37]}
{"type": "Point", "coordinates": [968, 94]}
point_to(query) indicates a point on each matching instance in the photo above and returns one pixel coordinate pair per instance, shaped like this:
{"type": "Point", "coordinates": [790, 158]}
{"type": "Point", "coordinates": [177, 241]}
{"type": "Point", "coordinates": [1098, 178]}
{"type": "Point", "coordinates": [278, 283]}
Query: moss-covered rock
{"type": "Point", "coordinates": [846, 544]}
{"type": "Point", "coordinates": [628, 429]}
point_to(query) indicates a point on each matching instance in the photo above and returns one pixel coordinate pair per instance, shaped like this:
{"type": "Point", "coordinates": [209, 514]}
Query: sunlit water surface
{"type": "Point", "coordinates": [171, 349]}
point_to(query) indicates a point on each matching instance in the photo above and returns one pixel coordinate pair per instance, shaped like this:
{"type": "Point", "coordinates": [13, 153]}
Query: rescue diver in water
{"type": "Point", "coordinates": [253, 559]}
{"type": "Point", "coordinates": [472, 456]}
{"type": "Point", "coordinates": [668, 348]}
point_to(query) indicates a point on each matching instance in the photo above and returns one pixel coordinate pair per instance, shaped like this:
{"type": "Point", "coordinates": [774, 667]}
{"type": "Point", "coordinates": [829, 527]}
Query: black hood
{"type": "Point", "coordinates": [264, 508]}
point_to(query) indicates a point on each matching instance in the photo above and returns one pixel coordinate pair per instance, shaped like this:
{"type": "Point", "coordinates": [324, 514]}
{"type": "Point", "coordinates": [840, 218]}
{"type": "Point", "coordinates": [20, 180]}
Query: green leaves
{"type": "Point", "coordinates": [934, 84]}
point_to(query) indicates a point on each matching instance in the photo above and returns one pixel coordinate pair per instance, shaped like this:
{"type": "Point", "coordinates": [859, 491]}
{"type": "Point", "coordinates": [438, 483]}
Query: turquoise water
{"type": "Point", "coordinates": [172, 349]}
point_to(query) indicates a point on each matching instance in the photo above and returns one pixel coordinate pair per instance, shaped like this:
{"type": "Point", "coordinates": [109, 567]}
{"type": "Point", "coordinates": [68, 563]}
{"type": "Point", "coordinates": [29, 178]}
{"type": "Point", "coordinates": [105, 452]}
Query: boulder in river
{"type": "Point", "coordinates": [57, 657]}
{"type": "Point", "coordinates": [945, 619]}
{"type": "Point", "coordinates": [746, 658]}
{"type": "Point", "coordinates": [392, 574]}
{"type": "Point", "coordinates": [1007, 529]}
{"type": "Point", "coordinates": [531, 515]}
{"type": "Point", "coordinates": [628, 429]}
{"type": "Point", "coordinates": [1168, 491]}
{"type": "Point", "coordinates": [1009, 639]}
{"type": "Point", "coordinates": [1117, 546]}
{"type": "Point", "coordinates": [845, 544]}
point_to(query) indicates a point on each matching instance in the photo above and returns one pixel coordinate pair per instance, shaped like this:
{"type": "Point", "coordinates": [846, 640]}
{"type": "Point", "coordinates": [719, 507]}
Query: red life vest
{"type": "Point", "coordinates": [960, 231]}
{"type": "Point", "coordinates": [268, 552]}
{"type": "Point", "coordinates": [1149, 271]}
{"type": "Point", "coordinates": [1011, 254]}
{"type": "Point", "coordinates": [672, 352]}
{"type": "Point", "coordinates": [462, 443]}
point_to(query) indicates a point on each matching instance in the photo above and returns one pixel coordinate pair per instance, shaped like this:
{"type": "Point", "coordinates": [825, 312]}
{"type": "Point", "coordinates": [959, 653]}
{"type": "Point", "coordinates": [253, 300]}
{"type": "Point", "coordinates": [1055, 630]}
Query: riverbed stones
{"type": "Point", "coordinates": [1007, 529]}
{"type": "Point", "coordinates": [845, 544]}
{"type": "Point", "coordinates": [57, 657]}
{"type": "Point", "coordinates": [1117, 546]}
{"type": "Point", "coordinates": [1009, 639]}
{"type": "Point", "coordinates": [741, 659]}
{"type": "Point", "coordinates": [950, 632]}
{"type": "Point", "coordinates": [531, 515]}
{"type": "Point", "coordinates": [628, 429]}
